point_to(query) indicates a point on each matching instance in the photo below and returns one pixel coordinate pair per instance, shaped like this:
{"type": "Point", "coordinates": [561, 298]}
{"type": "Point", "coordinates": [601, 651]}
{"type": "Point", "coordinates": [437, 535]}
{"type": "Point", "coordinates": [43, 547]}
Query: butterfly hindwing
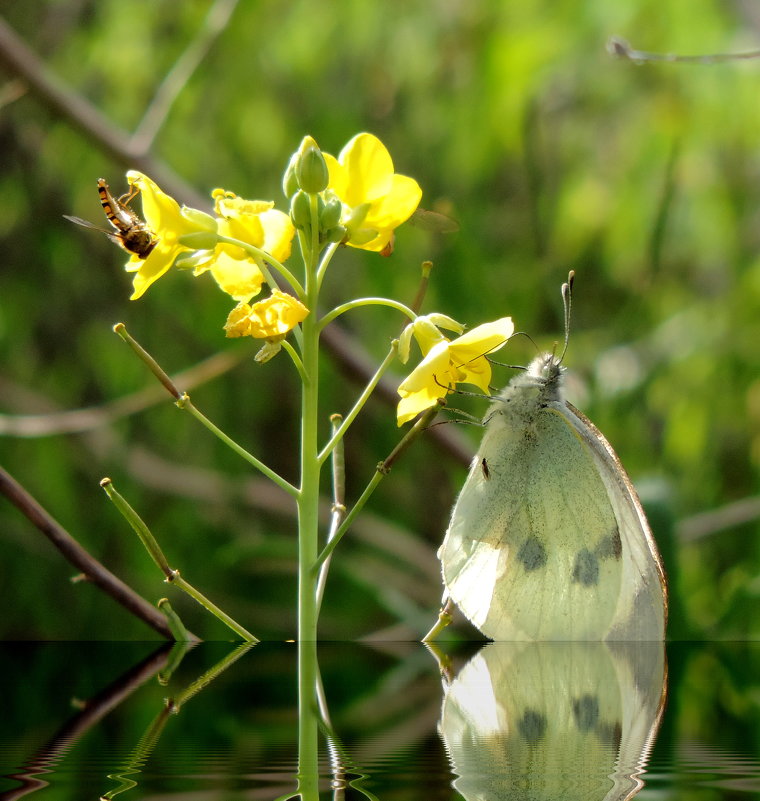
{"type": "Point", "coordinates": [533, 549]}
{"type": "Point", "coordinates": [642, 609]}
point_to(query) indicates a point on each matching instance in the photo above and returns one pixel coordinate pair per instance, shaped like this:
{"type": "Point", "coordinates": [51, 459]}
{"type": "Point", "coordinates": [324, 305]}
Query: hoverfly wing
{"type": "Point", "coordinates": [84, 223]}
{"type": "Point", "coordinates": [434, 221]}
{"type": "Point", "coordinates": [87, 224]}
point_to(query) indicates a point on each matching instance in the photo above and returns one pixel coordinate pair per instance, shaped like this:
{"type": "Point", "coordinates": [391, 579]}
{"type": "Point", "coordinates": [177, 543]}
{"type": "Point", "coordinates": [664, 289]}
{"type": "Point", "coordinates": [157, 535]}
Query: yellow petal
{"type": "Point", "coordinates": [426, 333]}
{"type": "Point", "coordinates": [487, 337]}
{"type": "Point", "coordinates": [149, 270]}
{"type": "Point", "coordinates": [238, 321]}
{"type": "Point", "coordinates": [370, 169]}
{"type": "Point", "coordinates": [338, 175]}
{"type": "Point", "coordinates": [276, 315]}
{"type": "Point", "coordinates": [278, 233]}
{"type": "Point", "coordinates": [239, 278]}
{"type": "Point", "coordinates": [425, 384]}
{"type": "Point", "coordinates": [160, 211]}
{"type": "Point", "coordinates": [397, 205]}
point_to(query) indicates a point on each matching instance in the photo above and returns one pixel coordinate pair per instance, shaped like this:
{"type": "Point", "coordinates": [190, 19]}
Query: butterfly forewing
{"type": "Point", "coordinates": [543, 563]}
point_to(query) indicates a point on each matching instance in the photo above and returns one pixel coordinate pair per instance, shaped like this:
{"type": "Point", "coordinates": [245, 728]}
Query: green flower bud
{"type": "Point", "coordinates": [190, 259]}
{"type": "Point", "coordinates": [311, 167]}
{"type": "Point", "coordinates": [360, 236]}
{"type": "Point", "coordinates": [199, 240]}
{"type": "Point", "coordinates": [300, 210]}
{"type": "Point", "coordinates": [336, 234]}
{"type": "Point", "coordinates": [199, 219]}
{"type": "Point", "coordinates": [358, 215]}
{"type": "Point", "coordinates": [329, 216]}
{"type": "Point", "coordinates": [289, 180]}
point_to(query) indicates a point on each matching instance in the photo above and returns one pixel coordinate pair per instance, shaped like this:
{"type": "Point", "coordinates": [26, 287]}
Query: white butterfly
{"type": "Point", "coordinates": [548, 540]}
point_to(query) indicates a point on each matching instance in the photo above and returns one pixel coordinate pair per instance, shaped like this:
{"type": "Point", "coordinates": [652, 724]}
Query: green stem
{"type": "Point", "coordinates": [338, 504]}
{"type": "Point", "coordinates": [308, 724]}
{"type": "Point", "coordinates": [444, 619]}
{"type": "Point", "coordinates": [382, 470]}
{"type": "Point", "coordinates": [296, 359]}
{"type": "Point", "coordinates": [198, 596]}
{"type": "Point", "coordinates": [185, 403]}
{"type": "Point", "coordinates": [182, 400]}
{"type": "Point", "coordinates": [355, 304]}
{"type": "Point", "coordinates": [179, 632]}
{"type": "Point", "coordinates": [171, 575]}
{"type": "Point", "coordinates": [351, 416]}
{"type": "Point", "coordinates": [326, 259]}
{"type": "Point", "coordinates": [308, 498]}
{"type": "Point", "coordinates": [138, 524]}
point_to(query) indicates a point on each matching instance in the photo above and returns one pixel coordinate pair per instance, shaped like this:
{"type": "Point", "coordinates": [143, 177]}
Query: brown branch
{"type": "Point", "coordinates": [95, 572]}
{"type": "Point", "coordinates": [176, 79]}
{"type": "Point", "coordinates": [77, 421]}
{"type": "Point", "coordinates": [23, 62]}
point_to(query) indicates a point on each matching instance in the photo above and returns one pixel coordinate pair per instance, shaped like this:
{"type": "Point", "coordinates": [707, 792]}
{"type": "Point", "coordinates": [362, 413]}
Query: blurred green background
{"type": "Point", "coordinates": [516, 121]}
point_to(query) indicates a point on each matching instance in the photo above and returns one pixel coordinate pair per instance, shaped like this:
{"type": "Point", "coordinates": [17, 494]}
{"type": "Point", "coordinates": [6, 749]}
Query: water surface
{"type": "Point", "coordinates": [389, 721]}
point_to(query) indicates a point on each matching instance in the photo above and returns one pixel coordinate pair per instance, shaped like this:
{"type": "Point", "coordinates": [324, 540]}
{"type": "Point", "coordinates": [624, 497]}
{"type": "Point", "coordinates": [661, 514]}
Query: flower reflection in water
{"type": "Point", "coordinates": [554, 720]}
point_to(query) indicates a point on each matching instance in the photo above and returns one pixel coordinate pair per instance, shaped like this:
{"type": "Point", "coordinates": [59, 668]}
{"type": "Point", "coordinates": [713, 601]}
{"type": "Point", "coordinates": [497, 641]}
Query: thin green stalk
{"type": "Point", "coordinates": [182, 400]}
{"type": "Point", "coordinates": [444, 619]}
{"type": "Point", "coordinates": [262, 258]}
{"type": "Point", "coordinates": [197, 595]}
{"type": "Point", "coordinates": [382, 470]}
{"type": "Point", "coordinates": [329, 252]}
{"type": "Point", "coordinates": [359, 302]}
{"type": "Point", "coordinates": [296, 359]}
{"type": "Point", "coordinates": [173, 620]}
{"type": "Point", "coordinates": [337, 435]}
{"type": "Point", "coordinates": [185, 403]}
{"type": "Point", "coordinates": [143, 532]}
{"type": "Point", "coordinates": [171, 575]}
{"type": "Point", "coordinates": [338, 505]}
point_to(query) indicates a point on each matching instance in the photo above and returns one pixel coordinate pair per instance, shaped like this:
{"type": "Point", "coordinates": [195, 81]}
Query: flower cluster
{"type": "Point", "coordinates": [354, 199]}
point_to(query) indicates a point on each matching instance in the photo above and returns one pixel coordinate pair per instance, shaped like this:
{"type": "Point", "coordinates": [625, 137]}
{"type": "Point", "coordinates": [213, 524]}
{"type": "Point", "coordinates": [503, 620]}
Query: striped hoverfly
{"type": "Point", "coordinates": [130, 232]}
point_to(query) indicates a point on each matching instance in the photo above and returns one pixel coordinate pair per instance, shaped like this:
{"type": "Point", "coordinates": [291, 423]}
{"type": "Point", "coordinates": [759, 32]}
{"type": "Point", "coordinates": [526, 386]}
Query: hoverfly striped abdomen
{"type": "Point", "coordinates": [130, 231]}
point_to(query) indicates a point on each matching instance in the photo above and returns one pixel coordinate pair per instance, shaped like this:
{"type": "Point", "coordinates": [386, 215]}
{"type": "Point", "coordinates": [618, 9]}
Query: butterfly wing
{"type": "Point", "coordinates": [533, 551]}
{"type": "Point", "coordinates": [642, 607]}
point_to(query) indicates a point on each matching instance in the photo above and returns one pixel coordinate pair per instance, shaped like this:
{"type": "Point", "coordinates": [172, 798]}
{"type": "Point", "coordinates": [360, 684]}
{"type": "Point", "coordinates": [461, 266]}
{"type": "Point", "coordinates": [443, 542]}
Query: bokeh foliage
{"type": "Point", "coordinates": [516, 121]}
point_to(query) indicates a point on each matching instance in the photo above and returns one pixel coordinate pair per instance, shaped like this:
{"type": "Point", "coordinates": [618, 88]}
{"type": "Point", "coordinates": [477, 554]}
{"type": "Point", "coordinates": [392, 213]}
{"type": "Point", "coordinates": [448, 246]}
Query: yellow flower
{"type": "Point", "coordinates": [269, 319]}
{"type": "Point", "coordinates": [447, 363]}
{"type": "Point", "coordinates": [425, 331]}
{"type": "Point", "coordinates": [168, 222]}
{"type": "Point", "coordinates": [256, 223]}
{"type": "Point", "coordinates": [375, 199]}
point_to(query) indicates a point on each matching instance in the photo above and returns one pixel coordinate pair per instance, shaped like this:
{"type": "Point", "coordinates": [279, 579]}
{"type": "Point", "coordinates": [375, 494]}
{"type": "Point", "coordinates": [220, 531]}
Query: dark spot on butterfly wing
{"type": "Point", "coordinates": [532, 554]}
{"type": "Point", "coordinates": [586, 568]}
{"type": "Point", "coordinates": [532, 726]}
{"type": "Point", "coordinates": [610, 547]}
{"type": "Point", "coordinates": [484, 468]}
{"type": "Point", "coordinates": [586, 712]}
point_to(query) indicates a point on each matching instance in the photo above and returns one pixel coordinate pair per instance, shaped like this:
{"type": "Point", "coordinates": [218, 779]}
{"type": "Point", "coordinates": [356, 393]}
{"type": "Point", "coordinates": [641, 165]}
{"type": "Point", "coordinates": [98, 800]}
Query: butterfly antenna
{"type": "Point", "coordinates": [567, 302]}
